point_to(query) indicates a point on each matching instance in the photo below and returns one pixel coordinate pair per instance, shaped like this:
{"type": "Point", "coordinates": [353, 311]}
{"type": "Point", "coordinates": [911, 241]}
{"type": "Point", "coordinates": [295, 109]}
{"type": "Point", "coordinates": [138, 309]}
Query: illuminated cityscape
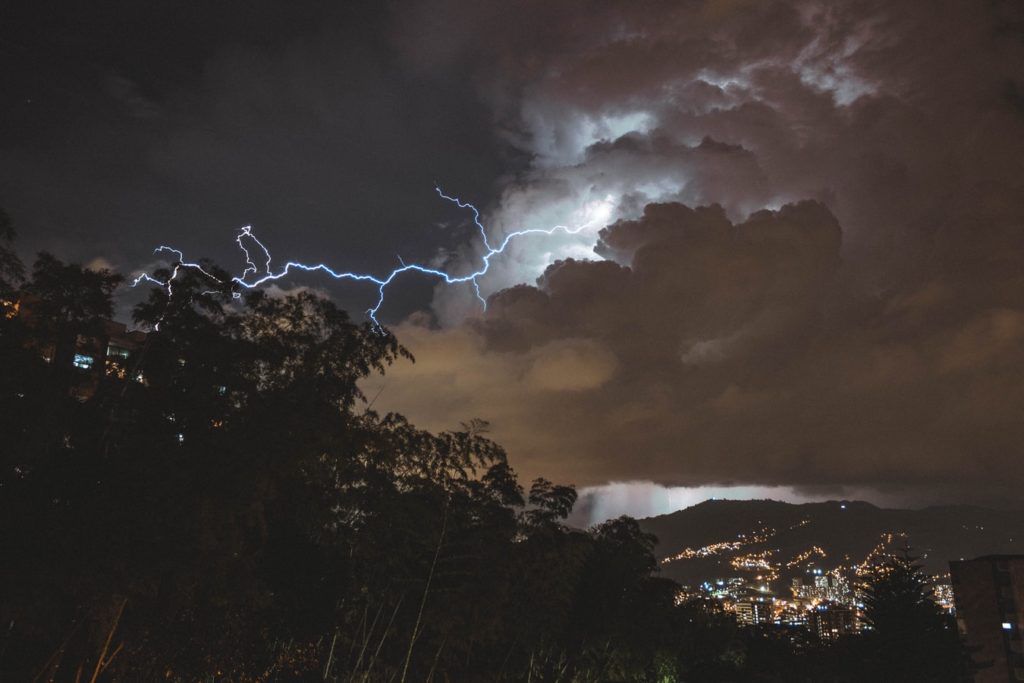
{"type": "Point", "coordinates": [502, 342]}
{"type": "Point", "coordinates": [804, 590]}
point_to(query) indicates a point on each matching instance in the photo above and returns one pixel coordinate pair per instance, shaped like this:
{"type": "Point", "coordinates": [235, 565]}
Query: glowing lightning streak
{"type": "Point", "coordinates": [250, 266]}
{"type": "Point", "coordinates": [476, 217]}
{"type": "Point", "coordinates": [179, 264]}
{"type": "Point", "coordinates": [382, 283]}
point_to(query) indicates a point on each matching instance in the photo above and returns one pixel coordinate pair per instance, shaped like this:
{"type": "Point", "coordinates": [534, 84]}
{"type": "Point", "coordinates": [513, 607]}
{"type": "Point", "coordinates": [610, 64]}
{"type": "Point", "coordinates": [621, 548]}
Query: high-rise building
{"type": "Point", "coordinates": [755, 611]}
{"type": "Point", "coordinates": [830, 620]}
{"type": "Point", "coordinates": [989, 595]}
{"type": "Point", "coordinates": [823, 586]}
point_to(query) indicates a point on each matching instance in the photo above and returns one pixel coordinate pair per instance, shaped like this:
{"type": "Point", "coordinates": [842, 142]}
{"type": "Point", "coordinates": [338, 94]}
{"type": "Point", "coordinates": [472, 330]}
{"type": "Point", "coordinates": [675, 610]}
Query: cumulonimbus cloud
{"type": "Point", "coordinates": [812, 273]}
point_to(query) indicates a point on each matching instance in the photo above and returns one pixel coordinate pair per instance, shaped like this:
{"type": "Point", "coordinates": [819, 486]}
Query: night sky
{"type": "Point", "coordinates": [805, 265]}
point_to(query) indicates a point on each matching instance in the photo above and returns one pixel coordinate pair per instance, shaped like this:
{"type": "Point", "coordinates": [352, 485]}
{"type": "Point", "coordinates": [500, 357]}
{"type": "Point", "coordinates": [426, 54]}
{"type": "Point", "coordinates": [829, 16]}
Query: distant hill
{"type": "Point", "coordinates": [724, 538]}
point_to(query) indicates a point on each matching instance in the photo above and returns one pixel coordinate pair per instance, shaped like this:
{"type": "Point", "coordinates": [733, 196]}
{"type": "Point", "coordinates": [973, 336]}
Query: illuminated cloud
{"type": "Point", "coordinates": [754, 347]}
{"type": "Point", "coordinates": [731, 352]}
{"type": "Point", "coordinates": [865, 332]}
{"type": "Point", "coordinates": [647, 499]}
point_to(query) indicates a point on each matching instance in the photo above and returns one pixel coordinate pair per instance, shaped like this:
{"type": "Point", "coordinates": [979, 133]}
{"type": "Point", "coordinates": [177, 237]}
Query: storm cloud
{"type": "Point", "coordinates": [812, 273]}
{"type": "Point", "coordinates": [801, 258]}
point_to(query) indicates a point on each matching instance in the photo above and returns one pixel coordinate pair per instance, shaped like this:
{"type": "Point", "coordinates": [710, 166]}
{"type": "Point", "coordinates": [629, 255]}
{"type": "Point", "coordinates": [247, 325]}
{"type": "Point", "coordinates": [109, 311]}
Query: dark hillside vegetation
{"type": "Point", "coordinates": [222, 505]}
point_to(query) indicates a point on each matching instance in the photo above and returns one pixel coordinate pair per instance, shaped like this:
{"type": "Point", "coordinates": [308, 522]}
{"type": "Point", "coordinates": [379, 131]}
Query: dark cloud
{"type": "Point", "coordinates": [735, 353]}
{"type": "Point", "coordinates": [800, 255]}
{"type": "Point", "coordinates": [753, 346]}
{"type": "Point", "coordinates": [127, 127]}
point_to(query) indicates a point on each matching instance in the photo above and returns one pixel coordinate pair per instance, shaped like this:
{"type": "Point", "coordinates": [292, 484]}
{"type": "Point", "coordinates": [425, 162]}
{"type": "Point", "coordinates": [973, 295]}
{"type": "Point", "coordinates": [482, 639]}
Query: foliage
{"type": "Point", "coordinates": [232, 510]}
{"type": "Point", "coordinates": [11, 270]}
{"type": "Point", "coordinates": [910, 638]}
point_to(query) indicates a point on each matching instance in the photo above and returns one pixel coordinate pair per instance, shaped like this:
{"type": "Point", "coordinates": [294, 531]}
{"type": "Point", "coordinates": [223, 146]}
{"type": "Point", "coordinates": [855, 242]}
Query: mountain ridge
{"type": "Point", "coordinates": [721, 538]}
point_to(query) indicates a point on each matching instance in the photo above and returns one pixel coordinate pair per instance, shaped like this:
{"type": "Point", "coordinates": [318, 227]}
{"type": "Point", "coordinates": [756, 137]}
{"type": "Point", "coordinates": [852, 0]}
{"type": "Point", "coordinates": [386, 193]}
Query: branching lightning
{"type": "Point", "coordinates": [255, 275]}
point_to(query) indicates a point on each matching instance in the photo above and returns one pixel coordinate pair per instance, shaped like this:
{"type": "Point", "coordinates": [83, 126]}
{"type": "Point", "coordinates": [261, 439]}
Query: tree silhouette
{"type": "Point", "coordinates": [232, 508]}
{"type": "Point", "coordinates": [910, 638]}
{"type": "Point", "coordinates": [12, 272]}
{"type": "Point", "coordinates": [551, 503]}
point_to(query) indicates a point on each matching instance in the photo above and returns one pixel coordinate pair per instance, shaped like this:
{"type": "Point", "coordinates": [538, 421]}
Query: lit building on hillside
{"type": "Point", "coordinates": [755, 611]}
{"type": "Point", "coordinates": [108, 351]}
{"type": "Point", "coordinates": [829, 621]}
{"type": "Point", "coordinates": [823, 586]}
{"type": "Point", "coordinates": [943, 593]}
{"type": "Point", "coordinates": [791, 614]}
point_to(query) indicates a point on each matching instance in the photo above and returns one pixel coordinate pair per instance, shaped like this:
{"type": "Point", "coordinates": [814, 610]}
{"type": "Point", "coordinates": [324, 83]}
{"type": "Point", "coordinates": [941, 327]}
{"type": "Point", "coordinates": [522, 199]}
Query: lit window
{"type": "Point", "coordinates": [115, 370]}
{"type": "Point", "coordinates": [82, 361]}
{"type": "Point", "coordinates": [117, 352]}
{"type": "Point", "coordinates": [10, 307]}
{"type": "Point", "coordinates": [1007, 626]}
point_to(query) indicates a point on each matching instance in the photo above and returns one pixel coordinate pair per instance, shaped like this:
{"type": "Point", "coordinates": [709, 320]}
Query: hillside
{"type": "Point", "coordinates": [723, 538]}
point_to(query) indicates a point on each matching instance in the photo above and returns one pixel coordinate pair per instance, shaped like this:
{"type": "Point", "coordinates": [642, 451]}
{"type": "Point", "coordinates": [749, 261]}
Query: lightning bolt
{"type": "Point", "coordinates": [254, 276]}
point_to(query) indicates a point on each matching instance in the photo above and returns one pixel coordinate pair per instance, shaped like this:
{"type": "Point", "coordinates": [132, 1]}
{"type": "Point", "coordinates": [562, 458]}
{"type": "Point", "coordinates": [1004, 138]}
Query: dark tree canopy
{"type": "Point", "coordinates": [910, 638]}
{"type": "Point", "coordinates": [227, 507]}
{"type": "Point", "coordinates": [11, 270]}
